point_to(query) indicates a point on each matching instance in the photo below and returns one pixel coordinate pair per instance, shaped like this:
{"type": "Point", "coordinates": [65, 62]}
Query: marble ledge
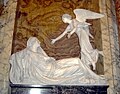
{"type": "Point", "coordinates": [57, 89]}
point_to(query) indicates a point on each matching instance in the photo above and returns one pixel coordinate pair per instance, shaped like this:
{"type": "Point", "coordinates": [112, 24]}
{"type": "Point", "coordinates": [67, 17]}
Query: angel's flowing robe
{"type": "Point", "coordinates": [89, 55]}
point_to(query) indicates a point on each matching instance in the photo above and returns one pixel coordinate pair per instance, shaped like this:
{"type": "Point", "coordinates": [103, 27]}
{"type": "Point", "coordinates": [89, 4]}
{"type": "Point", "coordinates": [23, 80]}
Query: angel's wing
{"type": "Point", "coordinates": [83, 14]}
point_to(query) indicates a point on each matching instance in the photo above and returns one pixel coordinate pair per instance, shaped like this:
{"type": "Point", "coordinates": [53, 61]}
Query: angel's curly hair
{"type": "Point", "coordinates": [66, 16]}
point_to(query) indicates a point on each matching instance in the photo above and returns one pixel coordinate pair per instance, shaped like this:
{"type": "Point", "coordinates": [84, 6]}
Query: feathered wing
{"type": "Point", "coordinates": [83, 14]}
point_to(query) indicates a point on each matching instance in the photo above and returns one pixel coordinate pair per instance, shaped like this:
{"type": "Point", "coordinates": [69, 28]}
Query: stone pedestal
{"type": "Point", "coordinates": [57, 89]}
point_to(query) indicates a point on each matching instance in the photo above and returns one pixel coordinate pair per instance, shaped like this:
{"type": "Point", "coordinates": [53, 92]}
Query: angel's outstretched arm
{"type": "Point", "coordinates": [69, 35]}
{"type": "Point", "coordinates": [73, 31]}
{"type": "Point", "coordinates": [62, 35]}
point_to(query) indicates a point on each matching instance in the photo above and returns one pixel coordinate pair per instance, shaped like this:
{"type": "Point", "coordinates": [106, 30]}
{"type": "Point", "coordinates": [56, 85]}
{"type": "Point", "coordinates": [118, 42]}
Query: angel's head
{"type": "Point", "coordinates": [66, 18]}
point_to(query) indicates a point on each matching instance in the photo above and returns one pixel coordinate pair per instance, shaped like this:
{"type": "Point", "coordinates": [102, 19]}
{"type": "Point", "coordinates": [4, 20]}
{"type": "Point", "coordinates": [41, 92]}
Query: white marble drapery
{"type": "Point", "coordinates": [33, 66]}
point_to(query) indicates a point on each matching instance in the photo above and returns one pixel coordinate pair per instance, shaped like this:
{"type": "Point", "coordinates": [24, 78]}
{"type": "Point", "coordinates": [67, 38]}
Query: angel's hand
{"type": "Point", "coordinates": [53, 41]}
{"type": "Point", "coordinates": [69, 35]}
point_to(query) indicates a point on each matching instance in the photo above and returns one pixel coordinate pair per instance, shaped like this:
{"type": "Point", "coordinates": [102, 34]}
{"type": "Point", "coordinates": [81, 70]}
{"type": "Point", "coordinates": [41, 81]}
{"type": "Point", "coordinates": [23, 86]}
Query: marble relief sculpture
{"type": "Point", "coordinates": [79, 25]}
{"type": "Point", "coordinates": [33, 66]}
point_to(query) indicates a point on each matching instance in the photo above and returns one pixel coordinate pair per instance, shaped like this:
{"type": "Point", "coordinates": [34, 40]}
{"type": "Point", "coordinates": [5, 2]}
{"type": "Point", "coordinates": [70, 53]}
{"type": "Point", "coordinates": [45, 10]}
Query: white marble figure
{"type": "Point", "coordinates": [33, 66]}
{"type": "Point", "coordinates": [79, 25]}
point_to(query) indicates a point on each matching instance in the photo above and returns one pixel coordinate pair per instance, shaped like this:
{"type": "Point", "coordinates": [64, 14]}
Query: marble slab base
{"type": "Point", "coordinates": [57, 89]}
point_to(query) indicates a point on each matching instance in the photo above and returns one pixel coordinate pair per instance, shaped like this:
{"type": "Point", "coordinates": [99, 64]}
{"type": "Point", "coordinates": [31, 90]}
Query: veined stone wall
{"type": "Point", "coordinates": [109, 44]}
{"type": "Point", "coordinates": [117, 5]}
{"type": "Point", "coordinates": [7, 20]}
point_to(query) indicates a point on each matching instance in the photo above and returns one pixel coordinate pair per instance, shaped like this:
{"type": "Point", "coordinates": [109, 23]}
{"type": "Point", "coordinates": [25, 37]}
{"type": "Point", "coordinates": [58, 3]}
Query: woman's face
{"type": "Point", "coordinates": [37, 43]}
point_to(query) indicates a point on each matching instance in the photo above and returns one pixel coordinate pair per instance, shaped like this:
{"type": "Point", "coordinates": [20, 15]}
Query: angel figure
{"type": "Point", "coordinates": [89, 55]}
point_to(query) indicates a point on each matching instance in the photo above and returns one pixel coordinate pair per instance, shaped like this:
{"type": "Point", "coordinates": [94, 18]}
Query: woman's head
{"type": "Point", "coordinates": [66, 18]}
{"type": "Point", "coordinates": [33, 42]}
